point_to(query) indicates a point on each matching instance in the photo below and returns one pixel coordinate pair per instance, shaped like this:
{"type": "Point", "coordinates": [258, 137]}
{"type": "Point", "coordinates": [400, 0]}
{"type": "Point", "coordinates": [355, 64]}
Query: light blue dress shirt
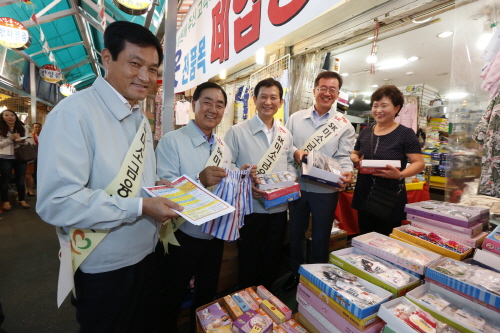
{"type": "Point", "coordinates": [85, 139]}
{"type": "Point", "coordinates": [184, 151]}
{"type": "Point", "coordinates": [248, 143]}
{"type": "Point", "coordinates": [303, 124]}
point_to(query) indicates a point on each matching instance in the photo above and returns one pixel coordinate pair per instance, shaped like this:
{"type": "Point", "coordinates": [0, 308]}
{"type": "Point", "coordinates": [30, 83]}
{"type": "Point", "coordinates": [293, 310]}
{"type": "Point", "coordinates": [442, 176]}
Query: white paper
{"type": "Point", "coordinates": [200, 205]}
{"type": "Point", "coordinates": [66, 281]}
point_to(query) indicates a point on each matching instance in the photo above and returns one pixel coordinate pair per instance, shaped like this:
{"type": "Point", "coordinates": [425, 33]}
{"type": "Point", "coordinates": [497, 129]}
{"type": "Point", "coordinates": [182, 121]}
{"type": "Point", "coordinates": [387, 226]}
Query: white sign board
{"type": "Point", "coordinates": [218, 34]}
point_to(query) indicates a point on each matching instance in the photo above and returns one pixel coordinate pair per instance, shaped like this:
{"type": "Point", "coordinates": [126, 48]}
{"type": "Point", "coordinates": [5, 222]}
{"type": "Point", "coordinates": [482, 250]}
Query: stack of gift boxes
{"type": "Point", "coordinates": [279, 187]}
{"type": "Point", "coordinates": [489, 256]}
{"type": "Point", "coordinates": [456, 296]}
{"type": "Point", "coordinates": [451, 230]}
{"type": "Point", "coordinates": [247, 311]}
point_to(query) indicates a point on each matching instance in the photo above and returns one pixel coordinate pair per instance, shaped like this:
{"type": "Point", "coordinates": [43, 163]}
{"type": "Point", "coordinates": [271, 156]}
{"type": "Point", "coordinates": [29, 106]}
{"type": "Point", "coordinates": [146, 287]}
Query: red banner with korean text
{"type": "Point", "coordinates": [218, 34]}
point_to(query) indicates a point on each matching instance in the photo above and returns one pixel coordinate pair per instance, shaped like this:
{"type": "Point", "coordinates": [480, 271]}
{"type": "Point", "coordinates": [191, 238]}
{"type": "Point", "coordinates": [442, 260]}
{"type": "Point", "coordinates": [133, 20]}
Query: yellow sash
{"type": "Point", "coordinates": [270, 158]}
{"type": "Point", "coordinates": [334, 127]}
{"type": "Point", "coordinates": [221, 151]}
{"type": "Point", "coordinates": [78, 245]}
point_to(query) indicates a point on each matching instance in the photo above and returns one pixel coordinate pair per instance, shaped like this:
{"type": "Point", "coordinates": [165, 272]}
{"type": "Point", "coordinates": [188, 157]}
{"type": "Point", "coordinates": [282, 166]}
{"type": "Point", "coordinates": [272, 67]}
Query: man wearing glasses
{"type": "Point", "coordinates": [307, 128]}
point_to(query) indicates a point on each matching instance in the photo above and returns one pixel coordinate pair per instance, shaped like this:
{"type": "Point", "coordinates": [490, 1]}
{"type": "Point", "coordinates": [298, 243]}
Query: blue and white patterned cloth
{"type": "Point", "coordinates": [236, 190]}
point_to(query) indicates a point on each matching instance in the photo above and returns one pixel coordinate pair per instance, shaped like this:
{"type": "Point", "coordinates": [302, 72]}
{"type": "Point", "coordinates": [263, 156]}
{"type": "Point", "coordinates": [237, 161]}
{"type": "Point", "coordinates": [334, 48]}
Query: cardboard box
{"type": "Point", "coordinates": [474, 291]}
{"type": "Point", "coordinates": [462, 221]}
{"type": "Point", "coordinates": [274, 185]}
{"type": "Point", "coordinates": [412, 265]}
{"type": "Point", "coordinates": [324, 326]}
{"type": "Point", "coordinates": [336, 258]}
{"type": "Point", "coordinates": [245, 323]}
{"type": "Point", "coordinates": [318, 303]}
{"type": "Point", "coordinates": [299, 317]}
{"type": "Point", "coordinates": [281, 200]}
{"type": "Point", "coordinates": [394, 323]}
{"type": "Point", "coordinates": [487, 260]}
{"type": "Point", "coordinates": [492, 241]}
{"type": "Point", "coordinates": [314, 273]}
{"type": "Point", "coordinates": [359, 323]}
{"type": "Point", "coordinates": [276, 193]}
{"type": "Point", "coordinates": [213, 316]}
{"type": "Point", "coordinates": [371, 166]}
{"type": "Point", "coordinates": [474, 241]}
{"type": "Point", "coordinates": [318, 175]}
{"type": "Point", "coordinates": [466, 231]}
{"type": "Point", "coordinates": [399, 232]}
{"type": "Point", "coordinates": [487, 314]}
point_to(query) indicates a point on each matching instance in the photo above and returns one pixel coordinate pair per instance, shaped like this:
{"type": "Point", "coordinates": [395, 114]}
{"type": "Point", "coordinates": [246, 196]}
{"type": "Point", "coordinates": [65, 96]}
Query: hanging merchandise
{"type": "Point", "coordinates": [408, 115]}
{"type": "Point", "coordinates": [13, 34]}
{"type": "Point", "coordinates": [67, 89]}
{"type": "Point", "coordinates": [486, 134]}
{"type": "Point", "coordinates": [241, 104]}
{"type": "Point", "coordinates": [182, 110]}
{"type": "Point", "coordinates": [132, 7]}
{"type": "Point", "coordinates": [51, 73]}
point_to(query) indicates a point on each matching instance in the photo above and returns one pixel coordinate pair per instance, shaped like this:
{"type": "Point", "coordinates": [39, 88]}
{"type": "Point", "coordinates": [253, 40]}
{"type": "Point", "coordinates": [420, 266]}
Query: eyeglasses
{"type": "Point", "coordinates": [332, 91]}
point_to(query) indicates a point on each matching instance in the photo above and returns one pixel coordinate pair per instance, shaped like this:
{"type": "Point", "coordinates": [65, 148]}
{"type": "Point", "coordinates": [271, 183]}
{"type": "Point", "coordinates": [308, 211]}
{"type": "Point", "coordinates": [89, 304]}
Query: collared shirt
{"type": "Point", "coordinates": [84, 141]}
{"type": "Point", "coordinates": [319, 120]}
{"type": "Point", "coordinates": [269, 132]}
{"type": "Point", "coordinates": [210, 140]}
{"type": "Point", "coordinates": [185, 151]}
{"type": "Point", "coordinates": [248, 143]}
{"type": "Point", "coordinates": [136, 111]}
{"type": "Point", "coordinates": [302, 126]}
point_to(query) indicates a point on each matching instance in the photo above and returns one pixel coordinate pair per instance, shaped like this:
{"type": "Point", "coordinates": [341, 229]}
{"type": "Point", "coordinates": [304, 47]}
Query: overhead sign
{"type": "Point", "coordinates": [13, 34]}
{"type": "Point", "coordinates": [67, 89]}
{"type": "Point", "coordinates": [51, 73]}
{"type": "Point", "coordinates": [133, 7]}
{"type": "Point", "coordinates": [218, 34]}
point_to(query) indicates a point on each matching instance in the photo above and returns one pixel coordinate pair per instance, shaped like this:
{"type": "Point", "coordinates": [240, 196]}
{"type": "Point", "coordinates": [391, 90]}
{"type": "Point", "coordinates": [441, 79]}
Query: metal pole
{"type": "Point", "coordinates": [168, 65]}
{"type": "Point", "coordinates": [32, 93]}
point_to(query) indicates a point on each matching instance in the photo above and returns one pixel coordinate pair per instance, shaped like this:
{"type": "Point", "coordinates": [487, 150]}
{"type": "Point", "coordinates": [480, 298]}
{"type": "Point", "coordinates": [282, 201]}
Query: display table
{"type": "Point", "coordinates": [348, 217]}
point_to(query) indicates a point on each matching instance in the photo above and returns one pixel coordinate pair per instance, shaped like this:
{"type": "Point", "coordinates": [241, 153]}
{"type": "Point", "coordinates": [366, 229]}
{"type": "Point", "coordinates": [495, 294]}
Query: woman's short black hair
{"type": "Point", "coordinates": [390, 91]}
{"type": "Point", "coordinates": [208, 85]}
{"type": "Point", "coordinates": [119, 32]}
{"type": "Point", "coordinates": [269, 82]}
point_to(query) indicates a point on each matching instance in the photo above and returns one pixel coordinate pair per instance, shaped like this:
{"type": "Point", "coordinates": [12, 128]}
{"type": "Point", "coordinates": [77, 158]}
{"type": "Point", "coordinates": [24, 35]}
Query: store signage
{"type": "Point", "coordinates": [13, 34]}
{"type": "Point", "coordinates": [51, 73]}
{"type": "Point", "coordinates": [67, 89]}
{"type": "Point", "coordinates": [218, 34]}
{"type": "Point", "coordinates": [133, 7]}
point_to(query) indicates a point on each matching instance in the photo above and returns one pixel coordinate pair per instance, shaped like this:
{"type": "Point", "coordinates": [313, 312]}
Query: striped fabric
{"type": "Point", "coordinates": [235, 189]}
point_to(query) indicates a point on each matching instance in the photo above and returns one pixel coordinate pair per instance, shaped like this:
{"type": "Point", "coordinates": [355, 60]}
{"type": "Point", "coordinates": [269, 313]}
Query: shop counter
{"type": "Point", "coordinates": [348, 217]}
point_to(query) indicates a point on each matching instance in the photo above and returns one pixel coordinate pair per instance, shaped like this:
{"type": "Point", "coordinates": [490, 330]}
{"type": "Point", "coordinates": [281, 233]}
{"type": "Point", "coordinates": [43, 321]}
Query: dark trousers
{"type": "Point", "coordinates": [200, 258]}
{"type": "Point", "coordinates": [368, 223]}
{"type": "Point", "coordinates": [260, 249]}
{"type": "Point", "coordinates": [6, 167]}
{"type": "Point", "coordinates": [322, 207]}
{"type": "Point", "coordinates": [124, 300]}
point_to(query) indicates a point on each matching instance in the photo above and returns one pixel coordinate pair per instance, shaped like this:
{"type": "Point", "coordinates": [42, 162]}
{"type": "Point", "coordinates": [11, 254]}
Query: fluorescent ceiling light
{"type": "Point", "coordinates": [260, 56]}
{"type": "Point", "coordinates": [223, 74]}
{"type": "Point", "coordinates": [395, 63]}
{"type": "Point", "coordinates": [456, 95]}
{"type": "Point", "coordinates": [413, 58]}
{"type": "Point", "coordinates": [367, 101]}
{"type": "Point", "coordinates": [422, 21]}
{"type": "Point", "coordinates": [371, 59]}
{"type": "Point", "coordinates": [351, 101]}
{"type": "Point", "coordinates": [484, 40]}
{"type": "Point", "coordinates": [445, 34]}
{"type": "Point", "coordinates": [374, 85]}
{"type": "Point", "coordinates": [344, 74]}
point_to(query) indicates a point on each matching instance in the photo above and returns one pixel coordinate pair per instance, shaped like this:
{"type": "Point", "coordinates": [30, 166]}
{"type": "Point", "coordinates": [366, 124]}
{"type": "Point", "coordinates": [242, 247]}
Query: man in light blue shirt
{"type": "Point", "coordinates": [317, 199]}
{"type": "Point", "coordinates": [260, 246]}
{"type": "Point", "coordinates": [186, 152]}
{"type": "Point", "coordinates": [85, 142]}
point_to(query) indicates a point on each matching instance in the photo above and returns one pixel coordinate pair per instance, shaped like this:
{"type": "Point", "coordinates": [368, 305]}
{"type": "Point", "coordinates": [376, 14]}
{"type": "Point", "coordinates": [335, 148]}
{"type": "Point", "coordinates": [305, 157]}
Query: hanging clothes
{"type": "Point", "coordinates": [182, 110]}
{"type": "Point", "coordinates": [236, 190]}
{"type": "Point", "coordinates": [242, 95]}
{"type": "Point", "coordinates": [491, 77]}
{"type": "Point", "coordinates": [408, 115]}
{"type": "Point", "coordinates": [487, 133]}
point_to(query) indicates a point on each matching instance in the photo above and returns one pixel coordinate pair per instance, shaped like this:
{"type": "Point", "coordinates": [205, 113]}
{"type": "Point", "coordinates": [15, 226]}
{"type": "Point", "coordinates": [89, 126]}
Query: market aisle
{"type": "Point", "coordinates": [28, 274]}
